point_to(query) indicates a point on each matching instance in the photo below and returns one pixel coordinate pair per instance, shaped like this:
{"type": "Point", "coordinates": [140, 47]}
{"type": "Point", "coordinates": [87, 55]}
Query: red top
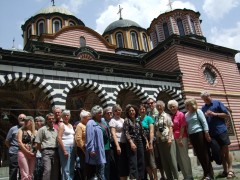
{"type": "Point", "coordinates": [178, 122]}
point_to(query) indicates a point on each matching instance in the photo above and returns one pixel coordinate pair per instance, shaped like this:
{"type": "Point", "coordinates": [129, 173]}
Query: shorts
{"type": "Point", "coordinates": [223, 139]}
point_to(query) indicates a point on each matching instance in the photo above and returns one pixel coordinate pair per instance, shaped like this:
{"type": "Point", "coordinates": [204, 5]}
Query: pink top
{"type": "Point", "coordinates": [178, 122]}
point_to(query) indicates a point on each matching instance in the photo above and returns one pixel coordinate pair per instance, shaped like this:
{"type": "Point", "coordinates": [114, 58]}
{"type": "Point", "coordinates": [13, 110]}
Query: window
{"type": "Point", "coordinates": [193, 27]}
{"type": "Point", "coordinates": [165, 30]}
{"type": "Point", "coordinates": [134, 40]}
{"type": "Point", "coordinates": [145, 43]}
{"type": "Point", "coordinates": [180, 27]}
{"type": "Point", "coordinates": [57, 25]}
{"type": "Point", "coordinates": [120, 42]}
{"type": "Point", "coordinates": [71, 23]}
{"type": "Point", "coordinates": [29, 32]}
{"type": "Point", "coordinates": [40, 27]}
{"type": "Point", "coordinates": [82, 41]}
{"type": "Point", "coordinates": [209, 74]}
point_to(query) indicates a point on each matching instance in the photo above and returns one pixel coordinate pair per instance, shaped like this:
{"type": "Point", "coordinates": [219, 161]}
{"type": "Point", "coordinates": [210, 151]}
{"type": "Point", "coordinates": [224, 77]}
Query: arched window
{"type": "Point", "coordinates": [71, 23]}
{"type": "Point", "coordinates": [82, 41]}
{"type": "Point", "coordinates": [165, 30]}
{"type": "Point", "coordinates": [134, 40]}
{"type": "Point", "coordinates": [193, 27]}
{"type": "Point", "coordinates": [120, 41]}
{"type": "Point", "coordinates": [145, 43]}
{"type": "Point", "coordinates": [29, 32]}
{"type": "Point", "coordinates": [57, 25]}
{"type": "Point", "coordinates": [40, 27]}
{"type": "Point", "coordinates": [180, 27]}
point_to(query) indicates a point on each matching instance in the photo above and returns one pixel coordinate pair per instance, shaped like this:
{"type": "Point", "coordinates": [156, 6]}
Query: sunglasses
{"type": "Point", "coordinates": [150, 103]}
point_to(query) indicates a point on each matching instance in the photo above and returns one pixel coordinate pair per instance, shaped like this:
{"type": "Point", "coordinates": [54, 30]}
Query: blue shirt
{"type": "Point", "coordinates": [216, 124]}
{"type": "Point", "coordinates": [94, 143]}
{"type": "Point", "coordinates": [12, 139]}
{"type": "Point", "coordinates": [196, 122]}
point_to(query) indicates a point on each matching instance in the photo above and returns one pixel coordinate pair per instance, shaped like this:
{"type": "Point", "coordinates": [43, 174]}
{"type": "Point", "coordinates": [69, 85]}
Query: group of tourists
{"type": "Point", "coordinates": [104, 146]}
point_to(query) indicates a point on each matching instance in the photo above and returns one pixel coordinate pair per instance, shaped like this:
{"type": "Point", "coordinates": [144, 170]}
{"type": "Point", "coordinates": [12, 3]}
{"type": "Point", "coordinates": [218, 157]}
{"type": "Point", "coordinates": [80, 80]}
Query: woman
{"type": "Point", "coordinates": [199, 136]}
{"type": "Point", "coordinates": [181, 139]}
{"type": "Point", "coordinates": [27, 151]}
{"type": "Point", "coordinates": [95, 145]}
{"type": "Point", "coordinates": [135, 146]}
{"type": "Point", "coordinates": [38, 173]}
{"type": "Point", "coordinates": [66, 146]}
{"type": "Point", "coordinates": [148, 127]}
{"type": "Point", "coordinates": [80, 137]}
{"type": "Point", "coordinates": [165, 142]}
{"type": "Point", "coordinates": [119, 138]}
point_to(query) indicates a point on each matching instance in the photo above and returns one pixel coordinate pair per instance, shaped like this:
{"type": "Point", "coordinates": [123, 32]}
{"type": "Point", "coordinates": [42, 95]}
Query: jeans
{"type": "Point", "coordinates": [67, 164]}
{"type": "Point", "coordinates": [26, 165]}
{"type": "Point", "coordinates": [13, 167]}
{"type": "Point", "coordinates": [38, 173]}
{"type": "Point", "coordinates": [95, 170]}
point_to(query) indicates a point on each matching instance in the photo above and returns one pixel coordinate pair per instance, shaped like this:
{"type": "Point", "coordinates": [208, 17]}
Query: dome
{"type": "Point", "coordinates": [121, 23]}
{"type": "Point", "coordinates": [54, 9]}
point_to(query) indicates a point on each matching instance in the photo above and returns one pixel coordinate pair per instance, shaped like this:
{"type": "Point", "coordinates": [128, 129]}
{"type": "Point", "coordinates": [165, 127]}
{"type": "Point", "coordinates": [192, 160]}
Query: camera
{"type": "Point", "coordinates": [161, 129]}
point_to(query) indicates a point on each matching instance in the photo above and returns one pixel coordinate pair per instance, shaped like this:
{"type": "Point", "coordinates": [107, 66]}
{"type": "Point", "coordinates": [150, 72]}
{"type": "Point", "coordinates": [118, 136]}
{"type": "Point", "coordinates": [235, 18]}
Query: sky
{"type": "Point", "coordinates": [220, 18]}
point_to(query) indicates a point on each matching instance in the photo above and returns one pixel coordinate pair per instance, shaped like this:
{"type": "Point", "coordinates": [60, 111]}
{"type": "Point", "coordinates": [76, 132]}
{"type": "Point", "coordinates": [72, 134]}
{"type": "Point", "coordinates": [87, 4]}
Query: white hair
{"type": "Point", "coordinates": [172, 103]}
{"type": "Point", "coordinates": [84, 114]}
{"type": "Point", "coordinates": [205, 94]}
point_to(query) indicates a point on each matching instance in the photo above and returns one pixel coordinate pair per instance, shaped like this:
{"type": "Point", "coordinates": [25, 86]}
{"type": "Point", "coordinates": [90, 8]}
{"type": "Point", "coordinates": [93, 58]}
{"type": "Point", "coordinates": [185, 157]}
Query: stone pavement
{"type": "Point", "coordinates": [198, 172]}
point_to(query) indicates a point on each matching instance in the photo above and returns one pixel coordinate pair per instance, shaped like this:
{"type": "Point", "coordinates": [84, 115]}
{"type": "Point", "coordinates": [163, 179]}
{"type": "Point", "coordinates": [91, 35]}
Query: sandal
{"type": "Point", "coordinates": [206, 178]}
{"type": "Point", "coordinates": [231, 175]}
{"type": "Point", "coordinates": [222, 175]}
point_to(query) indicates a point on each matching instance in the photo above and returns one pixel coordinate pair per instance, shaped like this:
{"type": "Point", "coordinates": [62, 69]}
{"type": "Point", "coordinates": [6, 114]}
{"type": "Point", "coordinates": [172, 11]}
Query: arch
{"type": "Point", "coordinates": [134, 40]}
{"type": "Point", "coordinates": [180, 26]}
{"type": "Point", "coordinates": [174, 93]}
{"type": "Point", "coordinates": [145, 42]}
{"type": "Point", "coordinates": [56, 25]}
{"type": "Point", "coordinates": [119, 40]}
{"type": "Point", "coordinates": [40, 27]}
{"type": "Point", "coordinates": [30, 78]}
{"type": "Point", "coordinates": [95, 87]}
{"type": "Point", "coordinates": [165, 30]}
{"type": "Point", "coordinates": [143, 96]}
{"type": "Point", "coordinates": [29, 31]}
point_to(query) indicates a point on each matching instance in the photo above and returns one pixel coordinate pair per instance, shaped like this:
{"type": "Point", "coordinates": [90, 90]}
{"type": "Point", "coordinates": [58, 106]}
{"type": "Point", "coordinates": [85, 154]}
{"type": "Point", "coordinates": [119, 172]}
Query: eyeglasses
{"type": "Point", "coordinates": [109, 113]}
{"type": "Point", "coordinates": [150, 103]}
{"type": "Point", "coordinates": [21, 118]}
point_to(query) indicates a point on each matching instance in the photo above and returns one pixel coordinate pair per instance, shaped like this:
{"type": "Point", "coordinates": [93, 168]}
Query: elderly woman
{"type": "Point", "coordinates": [97, 142]}
{"type": "Point", "coordinates": [199, 136]}
{"type": "Point", "coordinates": [119, 138]}
{"type": "Point", "coordinates": [26, 153]}
{"type": "Point", "coordinates": [181, 139]}
{"type": "Point", "coordinates": [80, 137]}
{"type": "Point", "coordinates": [38, 173]}
{"type": "Point", "coordinates": [135, 146]}
{"type": "Point", "coordinates": [165, 142]}
{"type": "Point", "coordinates": [66, 143]}
{"type": "Point", "coordinates": [148, 127]}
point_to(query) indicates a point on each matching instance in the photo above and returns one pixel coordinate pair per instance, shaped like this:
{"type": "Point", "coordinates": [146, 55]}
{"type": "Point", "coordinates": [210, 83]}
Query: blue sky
{"type": "Point", "coordinates": [220, 18]}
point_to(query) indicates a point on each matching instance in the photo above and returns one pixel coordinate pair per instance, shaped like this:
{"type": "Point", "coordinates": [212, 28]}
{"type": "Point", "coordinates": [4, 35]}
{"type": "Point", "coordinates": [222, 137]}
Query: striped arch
{"type": "Point", "coordinates": [95, 87]}
{"type": "Point", "coordinates": [32, 79]}
{"type": "Point", "coordinates": [143, 96]}
{"type": "Point", "coordinates": [173, 92]}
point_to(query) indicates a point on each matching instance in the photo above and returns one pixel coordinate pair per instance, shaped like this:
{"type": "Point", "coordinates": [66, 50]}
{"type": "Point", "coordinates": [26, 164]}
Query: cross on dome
{"type": "Point", "coordinates": [120, 12]}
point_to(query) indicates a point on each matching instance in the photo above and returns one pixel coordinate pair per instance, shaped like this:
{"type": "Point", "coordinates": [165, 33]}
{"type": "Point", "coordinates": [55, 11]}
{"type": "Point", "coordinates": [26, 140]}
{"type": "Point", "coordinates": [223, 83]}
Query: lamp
{"type": "Point", "coordinates": [5, 116]}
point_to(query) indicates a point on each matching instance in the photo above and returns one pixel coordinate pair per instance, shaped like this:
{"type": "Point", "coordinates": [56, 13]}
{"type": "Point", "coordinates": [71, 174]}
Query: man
{"type": "Point", "coordinates": [153, 113]}
{"type": "Point", "coordinates": [46, 140]}
{"type": "Point", "coordinates": [58, 116]}
{"type": "Point", "coordinates": [12, 143]}
{"type": "Point", "coordinates": [215, 113]}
